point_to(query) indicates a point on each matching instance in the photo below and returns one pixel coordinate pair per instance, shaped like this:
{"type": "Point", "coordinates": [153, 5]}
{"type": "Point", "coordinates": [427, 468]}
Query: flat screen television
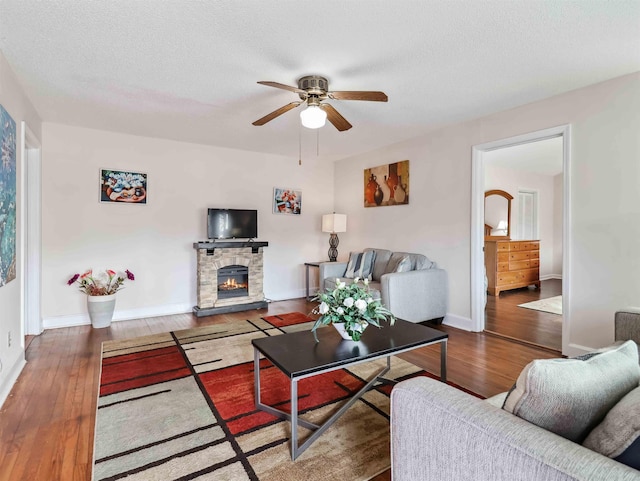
{"type": "Point", "coordinates": [232, 224]}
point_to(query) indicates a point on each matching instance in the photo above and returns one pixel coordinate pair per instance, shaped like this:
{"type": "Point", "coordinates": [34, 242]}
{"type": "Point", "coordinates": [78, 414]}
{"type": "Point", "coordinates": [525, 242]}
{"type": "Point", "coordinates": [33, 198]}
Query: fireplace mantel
{"type": "Point", "coordinates": [212, 256]}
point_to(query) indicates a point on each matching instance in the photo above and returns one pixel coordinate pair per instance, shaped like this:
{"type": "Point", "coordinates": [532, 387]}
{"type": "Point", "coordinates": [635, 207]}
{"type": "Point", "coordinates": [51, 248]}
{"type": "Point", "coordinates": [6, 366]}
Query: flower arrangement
{"type": "Point", "coordinates": [102, 284]}
{"type": "Point", "coordinates": [352, 305]}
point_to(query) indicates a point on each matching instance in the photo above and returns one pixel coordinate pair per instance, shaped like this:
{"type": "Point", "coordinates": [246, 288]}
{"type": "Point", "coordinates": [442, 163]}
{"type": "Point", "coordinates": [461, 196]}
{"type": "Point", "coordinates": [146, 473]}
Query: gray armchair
{"type": "Point", "coordinates": [417, 294]}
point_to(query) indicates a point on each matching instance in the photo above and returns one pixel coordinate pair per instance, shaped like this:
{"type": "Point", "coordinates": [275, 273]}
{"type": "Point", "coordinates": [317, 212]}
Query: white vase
{"type": "Point", "coordinates": [101, 310]}
{"type": "Point", "coordinates": [343, 332]}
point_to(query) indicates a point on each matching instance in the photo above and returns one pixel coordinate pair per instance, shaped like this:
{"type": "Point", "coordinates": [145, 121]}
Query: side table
{"type": "Point", "coordinates": [306, 277]}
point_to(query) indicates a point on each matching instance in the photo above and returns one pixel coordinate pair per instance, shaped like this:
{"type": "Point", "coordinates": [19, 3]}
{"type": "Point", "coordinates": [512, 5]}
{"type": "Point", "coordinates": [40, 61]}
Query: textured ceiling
{"type": "Point", "coordinates": [187, 70]}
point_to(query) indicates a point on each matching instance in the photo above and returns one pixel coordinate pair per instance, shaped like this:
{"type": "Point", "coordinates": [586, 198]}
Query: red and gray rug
{"type": "Point", "coordinates": [180, 406]}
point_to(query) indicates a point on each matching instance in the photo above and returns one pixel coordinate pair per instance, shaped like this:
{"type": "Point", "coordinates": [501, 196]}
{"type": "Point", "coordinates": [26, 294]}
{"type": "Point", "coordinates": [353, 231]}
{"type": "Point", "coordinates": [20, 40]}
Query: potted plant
{"type": "Point", "coordinates": [351, 309]}
{"type": "Point", "coordinates": [101, 293]}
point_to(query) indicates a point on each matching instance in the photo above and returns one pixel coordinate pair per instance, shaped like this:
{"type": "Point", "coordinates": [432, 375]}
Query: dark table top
{"type": "Point", "coordinates": [297, 354]}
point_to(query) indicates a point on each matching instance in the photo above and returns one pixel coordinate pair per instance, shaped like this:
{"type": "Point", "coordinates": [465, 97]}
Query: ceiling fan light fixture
{"type": "Point", "coordinates": [313, 117]}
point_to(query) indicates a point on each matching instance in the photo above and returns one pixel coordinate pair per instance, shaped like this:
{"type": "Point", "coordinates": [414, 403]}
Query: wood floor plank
{"type": "Point", "coordinates": [47, 422]}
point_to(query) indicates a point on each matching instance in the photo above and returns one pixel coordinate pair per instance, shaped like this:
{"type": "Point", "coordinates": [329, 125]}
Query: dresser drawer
{"type": "Point", "coordinates": [502, 246]}
{"type": "Point", "coordinates": [518, 265]}
{"type": "Point", "coordinates": [503, 257]}
{"type": "Point", "coordinates": [534, 254]}
{"type": "Point", "coordinates": [503, 266]}
{"type": "Point", "coordinates": [519, 256]}
{"type": "Point", "coordinates": [535, 262]}
{"type": "Point", "coordinates": [506, 278]}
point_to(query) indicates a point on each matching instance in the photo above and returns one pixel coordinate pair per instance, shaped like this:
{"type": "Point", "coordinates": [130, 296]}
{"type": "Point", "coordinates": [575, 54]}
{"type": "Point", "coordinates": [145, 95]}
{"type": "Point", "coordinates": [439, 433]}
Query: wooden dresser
{"type": "Point", "coordinates": [511, 264]}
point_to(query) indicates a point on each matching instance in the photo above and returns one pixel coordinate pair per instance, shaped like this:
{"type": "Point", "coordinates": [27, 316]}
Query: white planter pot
{"type": "Point", "coordinates": [343, 332]}
{"type": "Point", "coordinates": [101, 310]}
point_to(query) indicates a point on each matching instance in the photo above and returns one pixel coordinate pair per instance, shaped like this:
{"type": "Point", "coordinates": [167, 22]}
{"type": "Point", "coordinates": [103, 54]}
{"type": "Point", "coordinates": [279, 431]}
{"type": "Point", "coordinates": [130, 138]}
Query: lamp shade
{"type": "Point", "coordinates": [334, 223]}
{"type": "Point", "coordinates": [313, 117]}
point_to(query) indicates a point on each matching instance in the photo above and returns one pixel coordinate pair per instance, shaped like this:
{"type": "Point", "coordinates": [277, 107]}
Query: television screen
{"type": "Point", "coordinates": [232, 224]}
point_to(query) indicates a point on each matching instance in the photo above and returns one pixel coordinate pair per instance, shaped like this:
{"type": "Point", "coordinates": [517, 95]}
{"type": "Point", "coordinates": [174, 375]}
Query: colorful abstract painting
{"type": "Point", "coordinates": [117, 186]}
{"type": "Point", "coordinates": [387, 184]}
{"type": "Point", "coordinates": [287, 201]}
{"type": "Point", "coordinates": [7, 197]}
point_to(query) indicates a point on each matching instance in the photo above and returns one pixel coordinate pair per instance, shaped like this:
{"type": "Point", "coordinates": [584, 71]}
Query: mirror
{"type": "Point", "coordinates": [497, 214]}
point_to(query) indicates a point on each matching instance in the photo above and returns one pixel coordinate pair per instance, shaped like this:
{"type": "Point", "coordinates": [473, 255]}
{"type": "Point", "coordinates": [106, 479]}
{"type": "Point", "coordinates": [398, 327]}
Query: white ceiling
{"type": "Point", "coordinates": [187, 70]}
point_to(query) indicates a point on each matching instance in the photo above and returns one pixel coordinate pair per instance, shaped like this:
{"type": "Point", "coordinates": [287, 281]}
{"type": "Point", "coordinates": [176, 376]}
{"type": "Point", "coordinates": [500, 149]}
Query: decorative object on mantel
{"type": "Point", "coordinates": [117, 186]}
{"type": "Point", "coordinates": [7, 197]}
{"type": "Point", "coordinates": [101, 293]}
{"type": "Point", "coordinates": [351, 309]}
{"type": "Point", "coordinates": [287, 201]}
{"type": "Point", "coordinates": [334, 223]}
{"type": "Point", "coordinates": [387, 185]}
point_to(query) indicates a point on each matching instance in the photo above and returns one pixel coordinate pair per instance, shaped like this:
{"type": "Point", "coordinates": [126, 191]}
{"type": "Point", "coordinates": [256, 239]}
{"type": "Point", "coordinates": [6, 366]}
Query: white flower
{"type": "Point", "coordinates": [340, 310]}
{"type": "Point", "coordinates": [323, 308]}
{"type": "Point", "coordinates": [348, 302]}
{"type": "Point", "coordinates": [366, 281]}
{"type": "Point", "coordinates": [369, 300]}
{"type": "Point", "coordinates": [340, 284]}
{"type": "Point", "coordinates": [361, 305]}
{"type": "Point", "coordinates": [355, 281]}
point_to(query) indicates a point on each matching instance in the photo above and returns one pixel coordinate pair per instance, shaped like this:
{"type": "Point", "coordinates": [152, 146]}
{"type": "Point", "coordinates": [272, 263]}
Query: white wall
{"type": "Point", "coordinates": [155, 241]}
{"type": "Point", "coordinates": [12, 360]}
{"type": "Point", "coordinates": [558, 195]}
{"type": "Point", "coordinates": [512, 181]}
{"type": "Point", "coordinates": [604, 271]}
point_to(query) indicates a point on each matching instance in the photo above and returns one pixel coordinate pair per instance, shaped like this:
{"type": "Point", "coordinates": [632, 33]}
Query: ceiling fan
{"type": "Point", "coordinates": [313, 90]}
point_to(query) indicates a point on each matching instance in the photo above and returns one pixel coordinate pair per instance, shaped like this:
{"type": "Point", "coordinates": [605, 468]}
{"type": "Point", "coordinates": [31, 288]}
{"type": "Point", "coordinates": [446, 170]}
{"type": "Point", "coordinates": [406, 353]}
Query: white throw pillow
{"type": "Point", "coordinates": [571, 396]}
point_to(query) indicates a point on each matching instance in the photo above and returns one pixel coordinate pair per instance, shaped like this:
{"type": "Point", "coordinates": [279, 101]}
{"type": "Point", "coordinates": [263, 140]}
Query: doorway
{"type": "Point", "coordinates": [31, 234]}
{"type": "Point", "coordinates": [498, 159]}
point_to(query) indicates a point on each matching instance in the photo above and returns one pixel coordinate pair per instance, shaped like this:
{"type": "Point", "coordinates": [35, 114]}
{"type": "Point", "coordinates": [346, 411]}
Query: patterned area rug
{"type": "Point", "coordinates": [552, 305]}
{"type": "Point", "coordinates": [180, 406]}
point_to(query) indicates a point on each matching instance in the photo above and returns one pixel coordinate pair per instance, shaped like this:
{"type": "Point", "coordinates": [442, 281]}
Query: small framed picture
{"type": "Point", "coordinates": [118, 186]}
{"type": "Point", "coordinates": [287, 201]}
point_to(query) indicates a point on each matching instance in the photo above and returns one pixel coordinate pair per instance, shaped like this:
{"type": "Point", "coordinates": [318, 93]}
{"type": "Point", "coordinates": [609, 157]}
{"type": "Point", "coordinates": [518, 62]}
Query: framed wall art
{"type": "Point", "coordinates": [121, 186]}
{"type": "Point", "coordinates": [287, 201]}
{"type": "Point", "coordinates": [387, 184]}
{"type": "Point", "coordinates": [7, 197]}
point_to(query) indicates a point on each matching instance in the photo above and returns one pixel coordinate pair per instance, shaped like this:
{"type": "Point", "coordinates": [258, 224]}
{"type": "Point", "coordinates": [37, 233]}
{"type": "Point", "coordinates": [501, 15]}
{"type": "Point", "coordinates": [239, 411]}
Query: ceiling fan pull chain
{"type": "Point", "coordinates": [300, 144]}
{"type": "Point", "coordinates": [317, 142]}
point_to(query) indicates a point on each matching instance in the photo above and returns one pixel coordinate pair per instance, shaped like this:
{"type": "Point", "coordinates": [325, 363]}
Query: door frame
{"type": "Point", "coordinates": [31, 245]}
{"type": "Point", "coordinates": [477, 221]}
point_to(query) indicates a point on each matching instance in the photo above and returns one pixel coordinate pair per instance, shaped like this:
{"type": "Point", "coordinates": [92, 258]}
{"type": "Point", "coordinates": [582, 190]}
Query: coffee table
{"type": "Point", "coordinates": [298, 356]}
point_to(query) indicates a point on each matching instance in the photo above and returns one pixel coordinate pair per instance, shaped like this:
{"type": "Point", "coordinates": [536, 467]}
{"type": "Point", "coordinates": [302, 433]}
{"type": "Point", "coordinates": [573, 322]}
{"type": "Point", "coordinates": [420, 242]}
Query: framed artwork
{"type": "Point", "coordinates": [287, 201]}
{"type": "Point", "coordinates": [118, 186]}
{"type": "Point", "coordinates": [7, 197]}
{"type": "Point", "coordinates": [387, 184]}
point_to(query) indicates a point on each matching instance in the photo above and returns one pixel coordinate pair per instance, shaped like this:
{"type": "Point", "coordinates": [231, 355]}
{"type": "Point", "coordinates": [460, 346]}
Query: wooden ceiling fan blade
{"type": "Point", "coordinates": [283, 87]}
{"type": "Point", "coordinates": [359, 95]}
{"type": "Point", "coordinates": [333, 116]}
{"type": "Point", "coordinates": [276, 113]}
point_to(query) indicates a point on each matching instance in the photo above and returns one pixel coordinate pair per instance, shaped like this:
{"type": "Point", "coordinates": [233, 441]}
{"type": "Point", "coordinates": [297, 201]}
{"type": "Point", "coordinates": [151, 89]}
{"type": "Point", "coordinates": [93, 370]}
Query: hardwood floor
{"type": "Point", "coordinates": [505, 318]}
{"type": "Point", "coordinates": [47, 422]}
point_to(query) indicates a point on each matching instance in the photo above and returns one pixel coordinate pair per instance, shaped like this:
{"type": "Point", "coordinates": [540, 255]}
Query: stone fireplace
{"type": "Point", "coordinates": [230, 277]}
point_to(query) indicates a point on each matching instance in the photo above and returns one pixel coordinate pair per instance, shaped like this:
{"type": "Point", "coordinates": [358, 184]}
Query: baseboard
{"type": "Point", "coordinates": [551, 276]}
{"type": "Point", "coordinates": [12, 377]}
{"type": "Point", "coordinates": [458, 322]}
{"type": "Point", "coordinates": [574, 350]}
{"type": "Point", "coordinates": [124, 315]}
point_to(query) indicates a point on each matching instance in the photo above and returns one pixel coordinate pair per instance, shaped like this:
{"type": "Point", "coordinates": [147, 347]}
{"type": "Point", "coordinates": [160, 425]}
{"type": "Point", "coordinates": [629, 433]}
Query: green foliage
{"type": "Point", "coordinates": [351, 304]}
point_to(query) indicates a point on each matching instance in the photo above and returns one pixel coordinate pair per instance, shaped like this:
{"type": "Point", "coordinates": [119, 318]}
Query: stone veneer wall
{"type": "Point", "coordinates": [208, 266]}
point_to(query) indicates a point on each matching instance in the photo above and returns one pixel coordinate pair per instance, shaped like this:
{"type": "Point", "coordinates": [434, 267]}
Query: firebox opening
{"type": "Point", "coordinates": [233, 281]}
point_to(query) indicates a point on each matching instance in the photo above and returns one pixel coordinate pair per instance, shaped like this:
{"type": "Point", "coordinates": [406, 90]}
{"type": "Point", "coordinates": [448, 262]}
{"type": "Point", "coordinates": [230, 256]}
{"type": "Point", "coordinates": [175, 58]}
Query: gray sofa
{"type": "Point", "coordinates": [439, 433]}
{"type": "Point", "coordinates": [419, 293]}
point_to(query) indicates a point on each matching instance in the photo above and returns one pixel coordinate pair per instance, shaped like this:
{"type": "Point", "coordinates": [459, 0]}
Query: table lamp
{"type": "Point", "coordinates": [334, 223]}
